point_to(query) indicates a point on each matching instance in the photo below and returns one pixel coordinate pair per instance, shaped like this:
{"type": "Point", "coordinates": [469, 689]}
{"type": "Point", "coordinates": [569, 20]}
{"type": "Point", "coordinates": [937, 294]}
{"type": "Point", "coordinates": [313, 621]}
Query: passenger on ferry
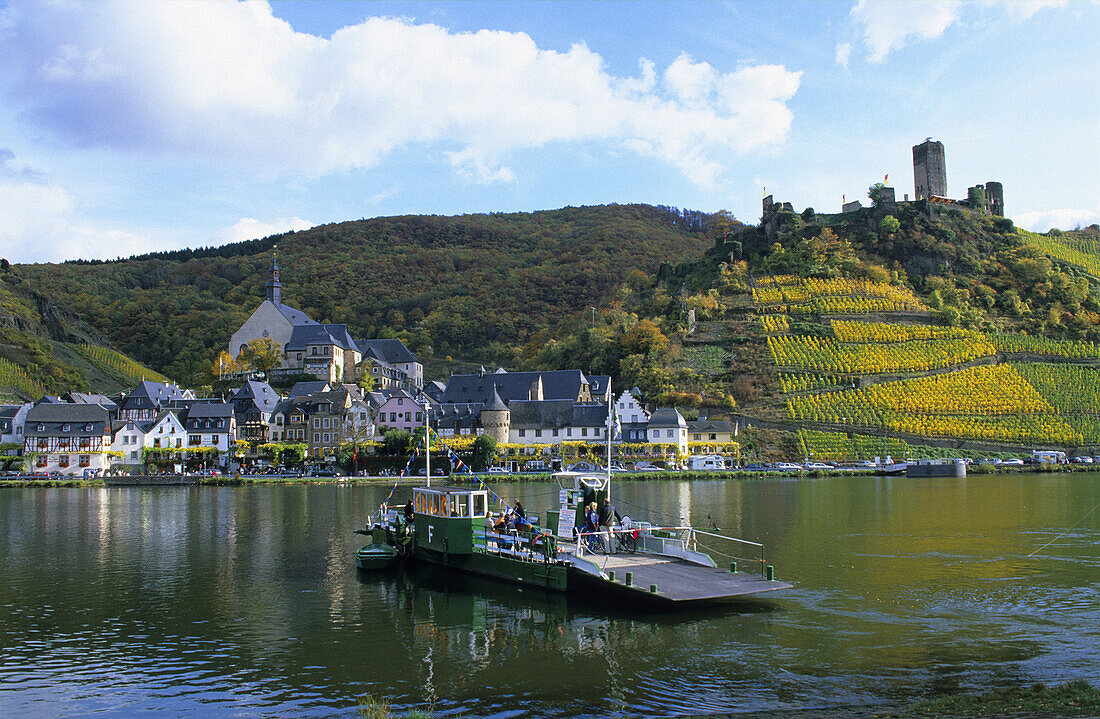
{"type": "Point", "coordinates": [409, 511]}
{"type": "Point", "coordinates": [609, 516]}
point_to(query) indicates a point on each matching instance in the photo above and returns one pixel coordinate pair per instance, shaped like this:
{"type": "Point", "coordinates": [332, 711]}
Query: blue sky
{"type": "Point", "coordinates": [129, 127]}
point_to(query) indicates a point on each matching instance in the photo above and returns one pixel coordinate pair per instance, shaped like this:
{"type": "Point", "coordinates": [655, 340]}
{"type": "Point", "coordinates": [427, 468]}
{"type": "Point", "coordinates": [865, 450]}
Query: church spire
{"type": "Point", "coordinates": [274, 287]}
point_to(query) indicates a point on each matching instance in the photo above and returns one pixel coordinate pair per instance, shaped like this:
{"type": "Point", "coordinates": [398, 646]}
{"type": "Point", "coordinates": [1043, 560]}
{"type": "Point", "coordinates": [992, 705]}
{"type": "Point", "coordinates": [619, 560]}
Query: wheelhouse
{"type": "Point", "coordinates": [447, 516]}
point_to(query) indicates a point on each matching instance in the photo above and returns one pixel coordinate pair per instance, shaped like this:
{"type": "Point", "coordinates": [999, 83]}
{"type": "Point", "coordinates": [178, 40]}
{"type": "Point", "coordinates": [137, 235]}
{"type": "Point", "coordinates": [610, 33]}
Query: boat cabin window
{"type": "Point", "coordinates": [450, 502]}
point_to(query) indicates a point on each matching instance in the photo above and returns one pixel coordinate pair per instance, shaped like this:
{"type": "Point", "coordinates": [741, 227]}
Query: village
{"type": "Point", "coordinates": [330, 424]}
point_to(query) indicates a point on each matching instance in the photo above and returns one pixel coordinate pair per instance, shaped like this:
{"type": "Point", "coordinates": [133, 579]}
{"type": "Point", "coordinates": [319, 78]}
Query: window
{"type": "Point", "coordinates": [314, 351]}
{"type": "Point", "coordinates": [696, 437]}
{"type": "Point", "coordinates": [325, 423]}
{"type": "Point", "coordinates": [538, 433]}
{"type": "Point", "coordinates": [88, 428]}
{"type": "Point", "coordinates": [41, 428]}
{"type": "Point", "coordinates": [419, 416]}
{"type": "Point", "coordinates": [568, 431]}
{"type": "Point", "coordinates": [671, 434]}
{"type": "Point", "coordinates": [179, 442]}
{"type": "Point", "coordinates": [40, 460]}
{"type": "Point", "coordinates": [299, 356]}
{"type": "Point", "coordinates": [65, 428]}
{"type": "Point", "coordinates": [85, 460]}
{"type": "Point", "coordinates": [584, 431]}
{"type": "Point", "coordinates": [713, 436]}
{"type": "Point", "coordinates": [62, 460]}
{"type": "Point", "coordinates": [133, 454]}
{"type": "Point", "coordinates": [633, 418]}
{"type": "Point", "coordinates": [316, 422]}
{"type": "Point", "coordinates": [400, 401]}
{"type": "Point", "coordinates": [301, 434]}
{"type": "Point", "coordinates": [194, 440]}
{"type": "Point", "coordinates": [316, 437]}
{"type": "Point", "coordinates": [327, 440]}
{"type": "Point", "coordinates": [555, 433]}
{"type": "Point", "coordinates": [393, 416]}
{"type": "Point", "coordinates": [522, 432]}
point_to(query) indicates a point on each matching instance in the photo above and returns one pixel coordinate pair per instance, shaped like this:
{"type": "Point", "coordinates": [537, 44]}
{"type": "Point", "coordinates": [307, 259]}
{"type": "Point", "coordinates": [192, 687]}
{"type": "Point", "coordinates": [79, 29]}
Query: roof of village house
{"type": "Point", "coordinates": [56, 417]}
{"type": "Point", "coordinates": [88, 398]}
{"type": "Point", "coordinates": [317, 334]}
{"type": "Point", "coordinates": [599, 383]}
{"type": "Point", "coordinates": [390, 351]}
{"type": "Point", "coordinates": [8, 411]}
{"type": "Point", "coordinates": [553, 414]}
{"type": "Point", "coordinates": [667, 417]}
{"type": "Point", "coordinates": [257, 394]}
{"type": "Point", "coordinates": [304, 389]}
{"type": "Point", "coordinates": [151, 395]}
{"type": "Point", "coordinates": [210, 410]}
{"type": "Point", "coordinates": [710, 425]}
{"type": "Point", "coordinates": [559, 384]}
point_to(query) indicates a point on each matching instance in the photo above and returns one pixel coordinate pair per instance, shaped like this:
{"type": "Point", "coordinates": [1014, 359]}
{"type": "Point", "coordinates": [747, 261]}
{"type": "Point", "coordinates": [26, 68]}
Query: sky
{"type": "Point", "coordinates": [129, 127]}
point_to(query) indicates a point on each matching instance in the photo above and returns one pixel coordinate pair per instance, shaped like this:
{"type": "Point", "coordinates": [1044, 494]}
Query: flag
{"type": "Point", "coordinates": [886, 180]}
{"type": "Point", "coordinates": [843, 199]}
{"type": "Point", "coordinates": [765, 191]}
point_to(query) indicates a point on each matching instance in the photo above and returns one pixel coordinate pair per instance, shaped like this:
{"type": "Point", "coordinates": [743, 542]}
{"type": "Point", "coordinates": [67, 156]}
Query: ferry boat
{"type": "Point", "coordinates": [452, 527]}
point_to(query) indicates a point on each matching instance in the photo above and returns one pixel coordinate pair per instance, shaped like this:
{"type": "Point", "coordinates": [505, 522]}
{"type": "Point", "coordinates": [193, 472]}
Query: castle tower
{"type": "Point", "coordinates": [995, 198]}
{"type": "Point", "coordinates": [274, 287]}
{"type": "Point", "coordinates": [496, 418]}
{"type": "Point", "coordinates": [929, 169]}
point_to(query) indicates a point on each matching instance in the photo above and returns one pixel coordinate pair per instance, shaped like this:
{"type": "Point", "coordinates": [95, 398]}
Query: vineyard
{"type": "Point", "coordinates": [1027, 344]}
{"type": "Point", "coordinates": [13, 376]}
{"type": "Point", "coordinates": [851, 331]}
{"type": "Point", "coordinates": [119, 364]}
{"type": "Point", "coordinates": [832, 296]}
{"type": "Point", "coordinates": [803, 382]}
{"type": "Point", "coordinates": [1074, 249]}
{"type": "Point", "coordinates": [825, 354]}
{"type": "Point", "coordinates": [1031, 403]}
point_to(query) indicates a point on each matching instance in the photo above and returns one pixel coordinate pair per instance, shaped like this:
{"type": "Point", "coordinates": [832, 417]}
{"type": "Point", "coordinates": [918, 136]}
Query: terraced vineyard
{"type": "Point", "coordinates": [1076, 249]}
{"type": "Point", "coordinates": [920, 379]}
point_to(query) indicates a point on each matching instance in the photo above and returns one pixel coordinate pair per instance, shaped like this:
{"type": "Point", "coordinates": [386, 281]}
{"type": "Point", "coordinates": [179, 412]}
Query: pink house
{"type": "Point", "coordinates": [397, 409]}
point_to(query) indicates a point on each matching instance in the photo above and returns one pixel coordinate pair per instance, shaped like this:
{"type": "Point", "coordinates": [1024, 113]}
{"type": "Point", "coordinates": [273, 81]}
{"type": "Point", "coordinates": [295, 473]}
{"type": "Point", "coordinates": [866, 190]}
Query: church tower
{"type": "Point", "coordinates": [274, 287]}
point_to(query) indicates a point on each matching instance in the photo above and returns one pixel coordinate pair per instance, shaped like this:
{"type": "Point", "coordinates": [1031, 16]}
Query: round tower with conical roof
{"type": "Point", "coordinates": [496, 418]}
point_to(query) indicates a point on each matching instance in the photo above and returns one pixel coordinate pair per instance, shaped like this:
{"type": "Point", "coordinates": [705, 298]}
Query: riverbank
{"type": "Point", "coordinates": [240, 480]}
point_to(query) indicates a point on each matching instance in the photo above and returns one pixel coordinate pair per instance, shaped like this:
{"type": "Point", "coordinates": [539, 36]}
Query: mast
{"type": "Point", "coordinates": [610, 428]}
{"type": "Point", "coordinates": [427, 446]}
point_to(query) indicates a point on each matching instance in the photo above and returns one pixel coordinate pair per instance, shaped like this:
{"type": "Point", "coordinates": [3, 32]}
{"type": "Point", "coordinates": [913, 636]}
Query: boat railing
{"type": "Point", "coordinates": [684, 542]}
{"type": "Point", "coordinates": [539, 547]}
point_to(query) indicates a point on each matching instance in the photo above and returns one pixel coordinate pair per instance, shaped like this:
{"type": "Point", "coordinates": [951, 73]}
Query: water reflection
{"type": "Point", "coordinates": [128, 600]}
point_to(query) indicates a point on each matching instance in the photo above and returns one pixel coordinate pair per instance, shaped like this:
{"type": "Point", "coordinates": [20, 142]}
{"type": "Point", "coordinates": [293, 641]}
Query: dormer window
{"type": "Point", "coordinates": [41, 428]}
{"type": "Point", "coordinates": [88, 427]}
{"type": "Point", "coordinates": [65, 428]}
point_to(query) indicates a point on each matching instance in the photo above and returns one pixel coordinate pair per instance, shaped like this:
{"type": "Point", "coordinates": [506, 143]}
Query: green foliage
{"type": "Point", "coordinates": [396, 442]}
{"type": "Point", "coordinates": [888, 225]}
{"type": "Point", "coordinates": [261, 355]}
{"type": "Point", "coordinates": [1071, 699]}
{"type": "Point", "coordinates": [485, 452]}
{"type": "Point", "coordinates": [474, 286]}
{"type": "Point", "coordinates": [119, 364]}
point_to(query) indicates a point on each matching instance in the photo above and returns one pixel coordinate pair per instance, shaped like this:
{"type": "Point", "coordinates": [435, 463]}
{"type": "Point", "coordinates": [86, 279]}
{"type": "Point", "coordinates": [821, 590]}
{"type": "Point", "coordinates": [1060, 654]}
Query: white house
{"type": "Point", "coordinates": [668, 426]}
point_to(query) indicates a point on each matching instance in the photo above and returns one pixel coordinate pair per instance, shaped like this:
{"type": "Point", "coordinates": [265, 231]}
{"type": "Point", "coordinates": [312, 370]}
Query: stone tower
{"type": "Point", "coordinates": [929, 169]}
{"type": "Point", "coordinates": [496, 418]}
{"type": "Point", "coordinates": [274, 287]}
{"type": "Point", "coordinates": [995, 198]}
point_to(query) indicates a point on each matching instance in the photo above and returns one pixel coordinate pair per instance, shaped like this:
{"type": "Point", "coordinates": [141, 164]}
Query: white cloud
{"type": "Point", "coordinates": [843, 54]}
{"type": "Point", "coordinates": [230, 83]}
{"type": "Point", "coordinates": [249, 228]}
{"type": "Point", "coordinates": [40, 226]}
{"type": "Point", "coordinates": [1064, 219]}
{"type": "Point", "coordinates": [1023, 9]}
{"type": "Point", "coordinates": [889, 24]}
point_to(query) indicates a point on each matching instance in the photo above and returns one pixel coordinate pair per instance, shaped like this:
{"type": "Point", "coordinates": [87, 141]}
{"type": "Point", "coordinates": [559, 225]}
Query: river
{"type": "Point", "coordinates": [244, 601]}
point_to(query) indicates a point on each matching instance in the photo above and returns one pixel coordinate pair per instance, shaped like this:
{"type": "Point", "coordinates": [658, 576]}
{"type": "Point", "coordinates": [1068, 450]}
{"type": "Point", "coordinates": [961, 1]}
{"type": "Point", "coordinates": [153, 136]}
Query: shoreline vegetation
{"type": "Point", "coordinates": [691, 475]}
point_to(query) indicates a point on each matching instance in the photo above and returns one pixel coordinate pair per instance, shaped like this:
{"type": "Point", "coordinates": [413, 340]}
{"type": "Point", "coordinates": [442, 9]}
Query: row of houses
{"type": "Point", "coordinates": [90, 434]}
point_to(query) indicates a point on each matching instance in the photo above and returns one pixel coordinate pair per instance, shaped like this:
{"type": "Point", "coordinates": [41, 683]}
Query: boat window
{"type": "Point", "coordinates": [443, 507]}
{"type": "Point", "coordinates": [479, 505]}
{"type": "Point", "coordinates": [462, 506]}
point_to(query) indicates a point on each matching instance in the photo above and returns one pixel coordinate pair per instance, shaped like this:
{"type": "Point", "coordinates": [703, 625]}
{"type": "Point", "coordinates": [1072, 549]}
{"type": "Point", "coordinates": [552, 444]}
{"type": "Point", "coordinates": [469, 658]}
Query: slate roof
{"type": "Point", "coordinates": [8, 411]}
{"type": "Point", "coordinates": [296, 318]}
{"type": "Point", "coordinates": [389, 351]}
{"type": "Point", "coordinates": [304, 335]}
{"type": "Point", "coordinates": [560, 384]}
{"type": "Point", "coordinates": [710, 425]}
{"type": "Point", "coordinates": [86, 398]}
{"type": "Point", "coordinates": [56, 416]}
{"type": "Point", "coordinates": [150, 395]}
{"type": "Point", "coordinates": [556, 414]}
{"type": "Point", "coordinates": [599, 383]}
{"type": "Point", "coordinates": [435, 390]}
{"type": "Point", "coordinates": [258, 394]}
{"type": "Point", "coordinates": [667, 417]}
{"type": "Point", "coordinates": [304, 389]}
{"type": "Point", "coordinates": [210, 410]}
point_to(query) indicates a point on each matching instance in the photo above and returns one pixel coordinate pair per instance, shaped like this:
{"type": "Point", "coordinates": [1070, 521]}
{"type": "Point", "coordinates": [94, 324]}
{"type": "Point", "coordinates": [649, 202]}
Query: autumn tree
{"type": "Point", "coordinates": [260, 355]}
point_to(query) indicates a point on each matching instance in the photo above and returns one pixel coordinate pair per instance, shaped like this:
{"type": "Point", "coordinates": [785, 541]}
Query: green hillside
{"type": "Point", "coordinates": [474, 287]}
{"type": "Point", "coordinates": [45, 349]}
{"type": "Point", "coordinates": [861, 337]}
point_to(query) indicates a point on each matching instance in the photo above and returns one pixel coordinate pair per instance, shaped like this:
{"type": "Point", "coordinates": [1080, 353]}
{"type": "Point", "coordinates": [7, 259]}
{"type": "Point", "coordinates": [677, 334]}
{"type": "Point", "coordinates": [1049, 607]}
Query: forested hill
{"type": "Point", "coordinates": [475, 286]}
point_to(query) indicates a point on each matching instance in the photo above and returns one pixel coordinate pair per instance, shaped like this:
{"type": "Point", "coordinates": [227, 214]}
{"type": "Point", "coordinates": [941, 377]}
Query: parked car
{"type": "Point", "coordinates": [1013, 462]}
{"type": "Point", "coordinates": [323, 472]}
{"type": "Point", "coordinates": [817, 465]}
{"type": "Point", "coordinates": [647, 467]}
{"type": "Point", "coordinates": [498, 470]}
{"type": "Point", "coordinates": [1082, 460]}
{"type": "Point", "coordinates": [788, 467]}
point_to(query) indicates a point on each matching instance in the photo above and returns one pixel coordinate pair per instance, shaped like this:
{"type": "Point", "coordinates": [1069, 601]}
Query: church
{"type": "Point", "coordinates": [309, 347]}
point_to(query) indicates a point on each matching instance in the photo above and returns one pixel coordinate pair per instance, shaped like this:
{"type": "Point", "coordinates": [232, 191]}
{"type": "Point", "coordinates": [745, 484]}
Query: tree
{"type": "Point", "coordinates": [875, 192]}
{"type": "Point", "coordinates": [888, 226]}
{"type": "Point", "coordinates": [260, 355]}
{"type": "Point", "coordinates": [485, 452]}
{"type": "Point", "coordinates": [396, 442]}
{"type": "Point", "coordinates": [366, 380]}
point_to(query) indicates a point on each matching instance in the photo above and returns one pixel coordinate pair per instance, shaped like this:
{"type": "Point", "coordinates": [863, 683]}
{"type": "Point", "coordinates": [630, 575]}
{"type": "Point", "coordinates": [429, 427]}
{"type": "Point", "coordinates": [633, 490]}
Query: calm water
{"type": "Point", "coordinates": [245, 602]}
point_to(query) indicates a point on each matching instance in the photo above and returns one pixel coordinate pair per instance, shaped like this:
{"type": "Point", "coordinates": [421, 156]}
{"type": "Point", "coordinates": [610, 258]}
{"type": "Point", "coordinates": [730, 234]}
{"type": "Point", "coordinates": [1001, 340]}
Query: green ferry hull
{"type": "Point", "coordinates": [546, 575]}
